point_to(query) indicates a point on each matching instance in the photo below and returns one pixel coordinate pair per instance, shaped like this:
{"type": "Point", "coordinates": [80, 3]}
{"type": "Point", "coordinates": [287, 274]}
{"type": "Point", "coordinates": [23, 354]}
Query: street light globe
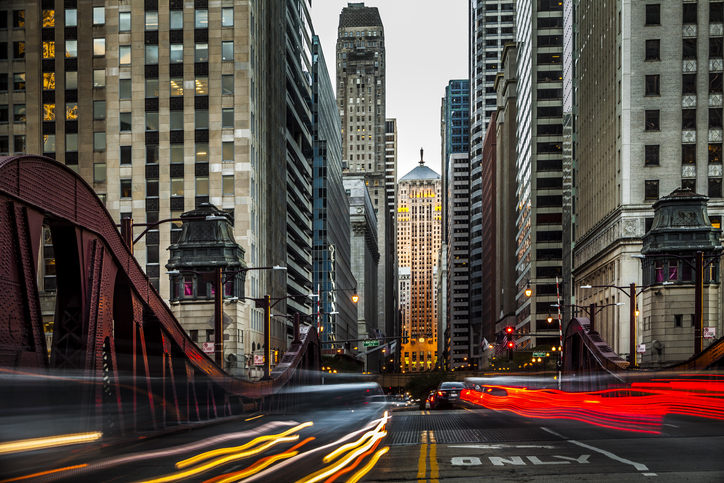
{"type": "Point", "coordinates": [355, 298]}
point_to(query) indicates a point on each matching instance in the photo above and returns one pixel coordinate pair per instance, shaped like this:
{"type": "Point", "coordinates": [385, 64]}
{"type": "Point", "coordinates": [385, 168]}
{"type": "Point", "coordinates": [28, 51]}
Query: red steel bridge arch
{"type": "Point", "coordinates": [123, 359]}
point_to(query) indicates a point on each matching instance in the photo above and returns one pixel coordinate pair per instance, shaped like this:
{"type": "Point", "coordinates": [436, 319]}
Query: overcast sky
{"type": "Point", "coordinates": [426, 47]}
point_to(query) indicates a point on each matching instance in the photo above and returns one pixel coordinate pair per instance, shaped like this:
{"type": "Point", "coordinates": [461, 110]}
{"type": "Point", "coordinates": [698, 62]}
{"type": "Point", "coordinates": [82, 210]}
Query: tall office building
{"type": "Point", "coordinates": [171, 116]}
{"type": "Point", "coordinates": [491, 24]}
{"type": "Point", "coordinates": [649, 106]}
{"type": "Point", "coordinates": [455, 130]}
{"type": "Point", "coordinates": [538, 163]}
{"type": "Point", "coordinates": [392, 324]}
{"type": "Point", "coordinates": [332, 270]}
{"type": "Point", "coordinates": [419, 222]}
{"type": "Point", "coordinates": [361, 101]}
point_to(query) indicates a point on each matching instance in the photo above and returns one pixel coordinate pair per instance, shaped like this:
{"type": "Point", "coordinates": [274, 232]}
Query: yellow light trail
{"type": "Point", "coordinates": [220, 461]}
{"type": "Point", "coordinates": [221, 451]}
{"type": "Point", "coordinates": [48, 442]}
{"type": "Point", "coordinates": [366, 468]}
{"type": "Point", "coordinates": [331, 456]}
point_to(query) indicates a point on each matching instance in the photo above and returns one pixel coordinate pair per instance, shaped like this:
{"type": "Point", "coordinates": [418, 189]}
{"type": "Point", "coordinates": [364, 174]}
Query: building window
{"type": "Point", "coordinates": [202, 186]}
{"type": "Point", "coordinates": [99, 78]}
{"type": "Point", "coordinates": [151, 54]}
{"type": "Point", "coordinates": [202, 86]}
{"type": "Point", "coordinates": [715, 153]}
{"type": "Point", "coordinates": [19, 145]}
{"type": "Point", "coordinates": [124, 54]}
{"type": "Point", "coordinates": [124, 22]}
{"type": "Point", "coordinates": [653, 49]}
{"type": "Point", "coordinates": [715, 116]}
{"type": "Point", "coordinates": [176, 20]}
{"type": "Point", "coordinates": [152, 155]}
{"type": "Point", "coordinates": [49, 143]}
{"type": "Point", "coordinates": [177, 87]}
{"type": "Point", "coordinates": [152, 88]}
{"type": "Point", "coordinates": [652, 120]}
{"type": "Point", "coordinates": [99, 141]}
{"type": "Point", "coordinates": [176, 120]}
{"type": "Point", "coordinates": [4, 114]}
{"type": "Point", "coordinates": [227, 17]}
{"type": "Point", "coordinates": [4, 145]}
{"type": "Point", "coordinates": [689, 12]}
{"type": "Point", "coordinates": [99, 172]}
{"type": "Point", "coordinates": [715, 44]}
{"type": "Point", "coordinates": [227, 117]}
{"type": "Point", "coordinates": [48, 81]}
{"type": "Point", "coordinates": [653, 14]}
{"type": "Point", "coordinates": [651, 155]}
{"type": "Point", "coordinates": [677, 320]}
{"type": "Point", "coordinates": [176, 53]}
{"type": "Point", "coordinates": [227, 50]}
{"type": "Point", "coordinates": [99, 109]}
{"type": "Point", "coordinates": [227, 84]}
{"type": "Point", "coordinates": [688, 154]}
{"type": "Point", "coordinates": [18, 18]}
{"type": "Point", "coordinates": [201, 52]}
{"type": "Point", "coordinates": [177, 186]}
{"type": "Point", "coordinates": [652, 85]}
{"type": "Point", "coordinates": [689, 184]}
{"type": "Point", "coordinates": [99, 15]}
{"type": "Point", "coordinates": [71, 80]}
{"type": "Point", "coordinates": [126, 121]}
{"type": "Point", "coordinates": [715, 12]}
{"type": "Point", "coordinates": [201, 19]}
{"type": "Point", "coordinates": [151, 121]}
{"type": "Point", "coordinates": [151, 20]}
{"type": "Point", "coordinates": [124, 88]}
{"type": "Point", "coordinates": [651, 189]}
{"type": "Point", "coordinates": [688, 118]}
{"type": "Point", "coordinates": [99, 47]}
{"type": "Point", "coordinates": [715, 83]}
{"type": "Point", "coordinates": [227, 152]}
{"type": "Point", "coordinates": [151, 188]}
{"type": "Point", "coordinates": [18, 112]}
{"type": "Point", "coordinates": [714, 188]}
{"type": "Point", "coordinates": [227, 184]}
{"type": "Point", "coordinates": [688, 83]}
{"type": "Point", "coordinates": [688, 49]}
{"type": "Point", "coordinates": [71, 49]}
{"type": "Point", "coordinates": [201, 119]}
{"type": "Point", "coordinates": [18, 50]}
{"type": "Point", "coordinates": [126, 188]}
{"type": "Point", "coordinates": [71, 111]}
{"type": "Point", "coordinates": [126, 155]}
{"type": "Point", "coordinates": [71, 17]}
{"type": "Point", "coordinates": [202, 153]}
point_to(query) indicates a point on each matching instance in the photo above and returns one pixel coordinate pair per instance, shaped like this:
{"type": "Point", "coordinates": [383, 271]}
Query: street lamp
{"type": "Point", "coordinates": [631, 294]}
{"type": "Point", "coordinates": [219, 282]}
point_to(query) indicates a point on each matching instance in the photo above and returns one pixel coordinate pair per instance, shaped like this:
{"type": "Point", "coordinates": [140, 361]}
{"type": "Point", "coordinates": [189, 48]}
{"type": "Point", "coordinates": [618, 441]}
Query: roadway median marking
{"type": "Point", "coordinates": [422, 463]}
{"type": "Point", "coordinates": [638, 466]}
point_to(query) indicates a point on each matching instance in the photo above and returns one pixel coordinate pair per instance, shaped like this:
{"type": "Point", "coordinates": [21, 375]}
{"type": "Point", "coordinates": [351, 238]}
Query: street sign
{"type": "Point", "coordinates": [641, 348]}
{"type": "Point", "coordinates": [709, 332]}
{"type": "Point", "coordinates": [258, 359]}
{"type": "Point", "coordinates": [208, 347]}
{"type": "Point", "coordinates": [539, 354]}
{"type": "Point", "coordinates": [370, 343]}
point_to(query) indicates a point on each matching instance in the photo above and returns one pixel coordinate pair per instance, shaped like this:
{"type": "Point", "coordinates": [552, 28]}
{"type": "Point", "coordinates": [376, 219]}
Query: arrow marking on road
{"type": "Point", "coordinates": [499, 446]}
{"type": "Point", "coordinates": [638, 466]}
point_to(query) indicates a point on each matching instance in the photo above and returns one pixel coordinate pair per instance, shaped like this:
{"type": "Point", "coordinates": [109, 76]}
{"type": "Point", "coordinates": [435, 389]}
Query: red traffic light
{"type": "Point", "coordinates": [511, 345]}
{"type": "Point", "coordinates": [509, 330]}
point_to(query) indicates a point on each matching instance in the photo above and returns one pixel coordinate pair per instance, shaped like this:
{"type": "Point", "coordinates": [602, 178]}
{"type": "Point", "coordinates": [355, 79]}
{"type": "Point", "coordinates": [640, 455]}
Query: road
{"type": "Point", "coordinates": [461, 444]}
{"type": "Point", "coordinates": [471, 444]}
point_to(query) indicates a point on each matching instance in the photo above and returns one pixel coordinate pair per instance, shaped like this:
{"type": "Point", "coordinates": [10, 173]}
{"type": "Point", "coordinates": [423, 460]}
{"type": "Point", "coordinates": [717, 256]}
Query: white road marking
{"type": "Point", "coordinates": [499, 446]}
{"type": "Point", "coordinates": [671, 425]}
{"type": "Point", "coordinates": [638, 466]}
{"type": "Point", "coordinates": [536, 461]}
{"type": "Point", "coordinates": [512, 460]}
{"type": "Point", "coordinates": [583, 459]}
{"type": "Point", "coordinates": [649, 474]}
{"type": "Point", "coordinates": [466, 461]}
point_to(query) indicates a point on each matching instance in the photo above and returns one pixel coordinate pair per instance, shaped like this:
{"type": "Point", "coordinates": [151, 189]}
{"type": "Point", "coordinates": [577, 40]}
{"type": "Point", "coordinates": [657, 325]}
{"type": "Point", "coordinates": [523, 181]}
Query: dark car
{"type": "Point", "coordinates": [447, 394]}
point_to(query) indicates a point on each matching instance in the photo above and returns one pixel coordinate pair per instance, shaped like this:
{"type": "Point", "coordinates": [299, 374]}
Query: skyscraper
{"type": "Point", "coordinates": [332, 269]}
{"type": "Point", "coordinates": [538, 163]}
{"type": "Point", "coordinates": [361, 101]}
{"type": "Point", "coordinates": [491, 24]}
{"type": "Point", "coordinates": [159, 107]}
{"type": "Point", "coordinates": [649, 110]}
{"type": "Point", "coordinates": [419, 222]}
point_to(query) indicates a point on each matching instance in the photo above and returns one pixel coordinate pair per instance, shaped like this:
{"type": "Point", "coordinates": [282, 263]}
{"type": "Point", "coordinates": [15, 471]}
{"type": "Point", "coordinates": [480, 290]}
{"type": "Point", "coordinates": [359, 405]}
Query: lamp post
{"type": "Point", "coordinates": [632, 295]}
{"type": "Point", "coordinates": [318, 296]}
{"type": "Point", "coordinates": [127, 226]}
{"type": "Point", "coordinates": [219, 282]}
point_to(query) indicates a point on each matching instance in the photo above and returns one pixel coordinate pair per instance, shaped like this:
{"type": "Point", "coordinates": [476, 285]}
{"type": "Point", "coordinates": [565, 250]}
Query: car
{"type": "Point", "coordinates": [446, 395]}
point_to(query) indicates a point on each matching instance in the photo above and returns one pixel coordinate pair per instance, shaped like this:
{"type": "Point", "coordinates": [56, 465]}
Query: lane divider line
{"type": "Point", "coordinates": [421, 463]}
{"type": "Point", "coordinates": [638, 466]}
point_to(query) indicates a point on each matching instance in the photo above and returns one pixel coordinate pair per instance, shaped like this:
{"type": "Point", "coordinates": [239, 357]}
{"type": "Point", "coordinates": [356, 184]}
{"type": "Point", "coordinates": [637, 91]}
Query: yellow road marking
{"type": "Point", "coordinates": [423, 437]}
{"type": "Point", "coordinates": [432, 437]}
{"type": "Point", "coordinates": [433, 463]}
{"type": "Point", "coordinates": [421, 463]}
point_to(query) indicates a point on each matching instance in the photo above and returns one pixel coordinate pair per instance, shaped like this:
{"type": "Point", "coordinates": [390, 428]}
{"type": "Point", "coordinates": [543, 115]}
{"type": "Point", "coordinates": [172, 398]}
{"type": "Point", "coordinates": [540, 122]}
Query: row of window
{"type": "Point", "coordinates": [176, 185]}
{"type": "Point", "coordinates": [688, 154]}
{"type": "Point", "coordinates": [689, 13]}
{"type": "Point", "coordinates": [688, 119]}
{"type": "Point", "coordinates": [714, 188]}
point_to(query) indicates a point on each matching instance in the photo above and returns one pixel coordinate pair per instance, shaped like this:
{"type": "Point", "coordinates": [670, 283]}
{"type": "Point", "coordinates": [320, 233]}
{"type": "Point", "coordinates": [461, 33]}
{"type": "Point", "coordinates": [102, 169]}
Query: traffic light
{"type": "Point", "coordinates": [509, 330]}
{"type": "Point", "coordinates": [511, 345]}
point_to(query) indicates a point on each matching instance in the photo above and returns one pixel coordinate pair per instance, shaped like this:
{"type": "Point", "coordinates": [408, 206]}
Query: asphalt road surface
{"type": "Point", "coordinates": [462, 444]}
